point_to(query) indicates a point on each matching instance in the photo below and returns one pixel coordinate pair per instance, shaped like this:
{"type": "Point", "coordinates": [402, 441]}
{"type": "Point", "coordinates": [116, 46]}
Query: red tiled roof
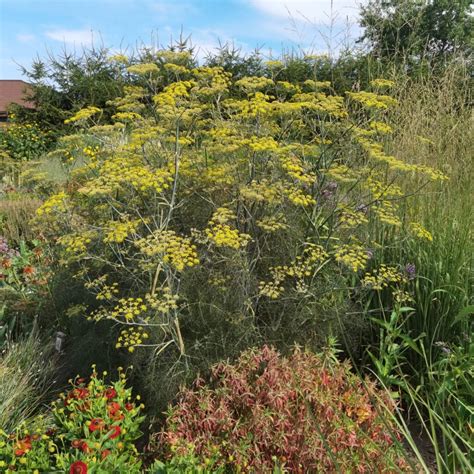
{"type": "Point", "coordinates": [13, 91]}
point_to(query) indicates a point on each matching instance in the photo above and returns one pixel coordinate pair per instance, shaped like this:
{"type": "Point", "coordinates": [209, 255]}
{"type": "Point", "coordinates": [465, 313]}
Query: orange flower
{"type": "Point", "coordinates": [118, 416]}
{"type": "Point", "coordinates": [104, 453]}
{"type": "Point", "coordinates": [97, 424]}
{"type": "Point", "coordinates": [28, 270]}
{"type": "Point", "coordinates": [23, 446]}
{"type": "Point", "coordinates": [84, 447]}
{"type": "Point", "coordinates": [115, 432]}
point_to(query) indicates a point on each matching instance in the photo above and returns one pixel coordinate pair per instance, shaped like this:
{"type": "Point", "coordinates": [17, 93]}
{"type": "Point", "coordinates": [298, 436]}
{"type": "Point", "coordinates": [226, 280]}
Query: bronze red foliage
{"type": "Point", "coordinates": [305, 412]}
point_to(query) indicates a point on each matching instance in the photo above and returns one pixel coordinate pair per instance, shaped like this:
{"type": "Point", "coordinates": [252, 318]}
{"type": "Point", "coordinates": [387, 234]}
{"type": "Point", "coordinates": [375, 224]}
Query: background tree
{"type": "Point", "coordinates": [420, 28]}
{"type": "Point", "coordinates": [67, 82]}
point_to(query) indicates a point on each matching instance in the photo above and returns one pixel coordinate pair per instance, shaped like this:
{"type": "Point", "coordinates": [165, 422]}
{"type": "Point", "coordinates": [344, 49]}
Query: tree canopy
{"type": "Point", "coordinates": [397, 28]}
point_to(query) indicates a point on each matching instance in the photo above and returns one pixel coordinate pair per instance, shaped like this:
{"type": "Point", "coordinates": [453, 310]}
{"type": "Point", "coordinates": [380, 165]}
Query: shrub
{"type": "Point", "coordinates": [20, 144]}
{"type": "Point", "coordinates": [307, 412]}
{"type": "Point", "coordinates": [91, 427]}
{"type": "Point", "coordinates": [24, 141]}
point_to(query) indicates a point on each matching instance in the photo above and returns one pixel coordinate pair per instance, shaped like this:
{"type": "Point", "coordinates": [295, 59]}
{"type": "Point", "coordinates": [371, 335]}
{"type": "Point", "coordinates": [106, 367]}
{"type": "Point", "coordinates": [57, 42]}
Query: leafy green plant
{"type": "Point", "coordinates": [24, 278]}
{"type": "Point", "coordinates": [393, 343]}
{"type": "Point", "coordinates": [439, 398]}
{"type": "Point", "coordinates": [19, 144]}
{"type": "Point", "coordinates": [91, 428]}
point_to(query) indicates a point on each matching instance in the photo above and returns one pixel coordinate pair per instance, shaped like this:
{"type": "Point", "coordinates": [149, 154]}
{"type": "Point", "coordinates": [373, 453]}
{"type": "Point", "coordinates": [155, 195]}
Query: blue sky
{"type": "Point", "coordinates": [35, 27]}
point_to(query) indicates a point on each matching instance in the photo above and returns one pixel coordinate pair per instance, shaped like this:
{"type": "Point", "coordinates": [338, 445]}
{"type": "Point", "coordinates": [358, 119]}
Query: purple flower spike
{"type": "Point", "coordinates": [410, 270]}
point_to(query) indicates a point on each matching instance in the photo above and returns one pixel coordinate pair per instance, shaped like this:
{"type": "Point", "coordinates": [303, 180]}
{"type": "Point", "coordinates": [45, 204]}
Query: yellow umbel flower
{"type": "Point", "coordinates": [273, 223]}
{"type": "Point", "coordinates": [77, 243]}
{"type": "Point", "coordinates": [171, 248]}
{"type": "Point", "coordinates": [372, 100]}
{"type": "Point", "coordinates": [252, 84]}
{"type": "Point", "coordinates": [83, 114]}
{"type": "Point", "coordinates": [131, 337]}
{"type": "Point", "coordinates": [382, 83]}
{"type": "Point", "coordinates": [143, 69]}
{"type": "Point", "coordinates": [383, 277]}
{"type": "Point", "coordinates": [117, 231]}
{"type": "Point", "coordinates": [353, 256]}
{"type": "Point", "coordinates": [57, 202]}
{"type": "Point", "coordinates": [298, 197]}
{"type": "Point", "coordinates": [419, 231]}
{"type": "Point", "coordinates": [221, 234]}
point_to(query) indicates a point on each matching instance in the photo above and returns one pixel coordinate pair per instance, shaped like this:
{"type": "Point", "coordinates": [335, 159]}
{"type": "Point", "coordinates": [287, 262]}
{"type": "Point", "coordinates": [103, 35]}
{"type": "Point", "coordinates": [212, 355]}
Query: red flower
{"type": "Point", "coordinates": [77, 394]}
{"type": "Point", "coordinates": [28, 270]}
{"type": "Point", "coordinates": [23, 446]}
{"type": "Point", "coordinates": [115, 432]}
{"type": "Point", "coordinates": [78, 467]}
{"type": "Point", "coordinates": [96, 424]}
{"type": "Point", "coordinates": [129, 406]}
{"type": "Point", "coordinates": [84, 447]}
{"type": "Point", "coordinates": [113, 408]}
{"type": "Point", "coordinates": [104, 453]}
{"type": "Point", "coordinates": [110, 393]}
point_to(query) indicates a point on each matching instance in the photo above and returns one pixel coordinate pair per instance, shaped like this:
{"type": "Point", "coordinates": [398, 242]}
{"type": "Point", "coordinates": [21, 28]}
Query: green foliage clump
{"type": "Point", "coordinates": [21, 143]}
{"type": "Point", "coordinates": [396, 29]}
{"type": "Point", "coordinates": [24, 279]}
{"type": "Point", "coordinates": [91, 428]}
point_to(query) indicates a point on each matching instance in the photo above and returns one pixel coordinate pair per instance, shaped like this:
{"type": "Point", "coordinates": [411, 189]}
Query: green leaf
{"type": "Point", "coordinates": [463, 314]}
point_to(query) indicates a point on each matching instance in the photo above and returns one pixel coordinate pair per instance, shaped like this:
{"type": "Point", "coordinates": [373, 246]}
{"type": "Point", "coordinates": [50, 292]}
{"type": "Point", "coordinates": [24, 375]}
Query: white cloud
{"type": "Point", "coordinates": [25, 38]}
{"type": "Point", "coordinates": [316, 11]}
{"type": "Point", "coordinates": [77, 37]}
